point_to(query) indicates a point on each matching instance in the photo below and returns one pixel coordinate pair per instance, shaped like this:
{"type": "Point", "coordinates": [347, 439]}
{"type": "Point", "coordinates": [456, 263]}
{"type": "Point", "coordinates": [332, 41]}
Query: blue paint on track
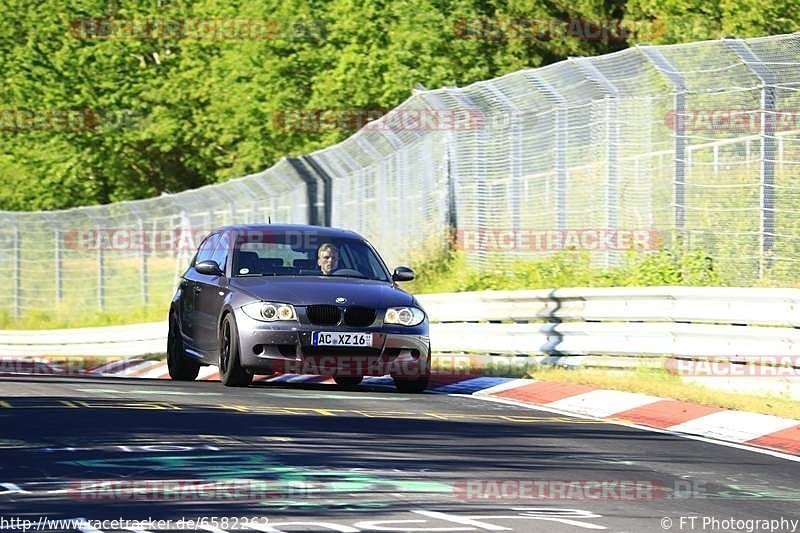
{"type": "Point", "coordinates": [469, 386]}
{"type": "Point", "coordinates": [439, 386]}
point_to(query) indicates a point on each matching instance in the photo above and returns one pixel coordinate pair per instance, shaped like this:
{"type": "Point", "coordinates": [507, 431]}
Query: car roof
{"type": "Point", "coordinates": [321, 231]}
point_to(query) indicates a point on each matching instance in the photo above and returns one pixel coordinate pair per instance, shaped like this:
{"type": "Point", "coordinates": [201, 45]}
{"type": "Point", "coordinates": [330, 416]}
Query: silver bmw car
{"type": "Point", "coordinates": [264, 299]}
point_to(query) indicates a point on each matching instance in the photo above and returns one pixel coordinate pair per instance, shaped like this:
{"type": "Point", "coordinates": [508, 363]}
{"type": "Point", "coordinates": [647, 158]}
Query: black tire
{"type": "Point", "coordinates": [231, 373]}
{"type": "Point", "coordinates": [181, 367]}
{"type": "Point", "coordinates": [348, 381]}
{"type": "Point", "coordinates": [411, 385]}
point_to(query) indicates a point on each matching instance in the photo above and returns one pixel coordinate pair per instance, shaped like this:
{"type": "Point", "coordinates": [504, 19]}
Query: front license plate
{"type": "Point", "coordinates": [327, 338]}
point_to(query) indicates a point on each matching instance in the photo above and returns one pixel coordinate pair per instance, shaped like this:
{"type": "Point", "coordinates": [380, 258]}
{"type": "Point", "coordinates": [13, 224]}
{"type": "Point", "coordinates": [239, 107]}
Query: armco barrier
{"type": "Point", "coordinates": [721, 305]}
{"type": "Point", "coordinates": [562, 324]}
{"type": "Point", "coordinates": [133, 340]}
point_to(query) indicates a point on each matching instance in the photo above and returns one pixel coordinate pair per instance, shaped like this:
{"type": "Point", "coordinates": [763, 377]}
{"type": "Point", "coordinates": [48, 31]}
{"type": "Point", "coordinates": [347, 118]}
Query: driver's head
{"type": "Point", "coordinates": [327, 258]}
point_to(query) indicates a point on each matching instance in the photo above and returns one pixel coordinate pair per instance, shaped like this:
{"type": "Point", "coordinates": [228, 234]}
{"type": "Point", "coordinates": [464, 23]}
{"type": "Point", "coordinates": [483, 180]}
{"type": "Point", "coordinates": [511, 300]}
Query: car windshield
{"type": "Point", "coordinates": [305, 254]}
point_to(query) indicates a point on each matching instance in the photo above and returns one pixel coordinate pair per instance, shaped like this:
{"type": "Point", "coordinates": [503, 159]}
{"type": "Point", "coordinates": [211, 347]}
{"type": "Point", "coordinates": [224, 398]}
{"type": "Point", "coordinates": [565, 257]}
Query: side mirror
{"type": "Point", "coordinates": [208, 268]}
{"type": "Point", "coordinates": [403, 274]}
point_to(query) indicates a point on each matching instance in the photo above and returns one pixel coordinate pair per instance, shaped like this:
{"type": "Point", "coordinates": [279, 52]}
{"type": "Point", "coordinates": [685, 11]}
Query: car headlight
{"type": "Point", "coordinates": [269, 311]}
{"type": "Point", "coordinates": [407, 316]}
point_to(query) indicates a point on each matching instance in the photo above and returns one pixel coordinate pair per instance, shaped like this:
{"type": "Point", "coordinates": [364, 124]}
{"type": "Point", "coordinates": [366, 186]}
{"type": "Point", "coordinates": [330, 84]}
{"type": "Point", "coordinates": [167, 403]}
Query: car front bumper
{"type": "Point", "coordinates": [283, 347]}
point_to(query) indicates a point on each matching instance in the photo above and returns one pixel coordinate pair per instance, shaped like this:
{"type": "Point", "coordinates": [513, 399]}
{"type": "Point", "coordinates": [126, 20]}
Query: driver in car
{"type": "Point", "coordinates": [327, 258]}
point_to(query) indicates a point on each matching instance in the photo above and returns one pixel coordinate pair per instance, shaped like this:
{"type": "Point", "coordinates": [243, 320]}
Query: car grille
{"type": "Point", "coordinates": [323, 315]}
{"type": "Point", "coordinates": [359, 316]}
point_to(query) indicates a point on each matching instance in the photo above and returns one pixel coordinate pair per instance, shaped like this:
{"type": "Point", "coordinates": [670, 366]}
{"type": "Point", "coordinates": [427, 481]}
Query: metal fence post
{"type": "Point", "coordinates": [452, 205]}
{"type": "Point", "coordinates": [17, 271]}
{"type": "Point", "coordinates": [179, 255]}
{"type": "Point", "coordinates": [666, 68]}
{"type": "Point", "coordinates": [449, 168]}
{"type": "Point", "coordinates": [101, 270]}
{"type": "Point", "coordinates": [590, 71]}
{"type": "Point", "coordinates": [101, 277]}
{"type": "Point", "coordinates": [327, 184]}
{"type": "Point", "coordinates": [143, 273]}
{"type": "Point", "coordinates": [479, 166]}
{"type": "Point", "coordinates": [311, 189]}
{"type": "Point", "coordinates": [59, 265]}
{"type": "Point", "coordinates": [515, 153]}
{"type": "Point", "coordinates": [767, 186]}
{"type": "Point", "coordinates": [561, 119]}
{"type": "Point", "coordinates": [58, 261]}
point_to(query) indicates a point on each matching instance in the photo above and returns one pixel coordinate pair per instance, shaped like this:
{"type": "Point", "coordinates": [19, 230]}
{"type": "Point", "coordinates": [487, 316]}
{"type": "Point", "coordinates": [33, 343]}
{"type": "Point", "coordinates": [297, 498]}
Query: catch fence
{"type": "Point", "coordinates": [693, 145]}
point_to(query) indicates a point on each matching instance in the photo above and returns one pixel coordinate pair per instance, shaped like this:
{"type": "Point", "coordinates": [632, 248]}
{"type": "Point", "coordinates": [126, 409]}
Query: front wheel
{"type": "Point", "coordinates": [181, 367]}
{"type": "Point", "coordinates": [411, 385]}
{"type": "Point", "coordinates": [231, 373]}
{"type": "Point", "coordinates": [419, 384]}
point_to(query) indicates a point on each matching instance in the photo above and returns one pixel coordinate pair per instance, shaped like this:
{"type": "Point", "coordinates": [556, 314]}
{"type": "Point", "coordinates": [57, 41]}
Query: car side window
{"type": "Point", "coordinates": [206, 250]}
{"type": "Point", "coordinates": [220, 251]}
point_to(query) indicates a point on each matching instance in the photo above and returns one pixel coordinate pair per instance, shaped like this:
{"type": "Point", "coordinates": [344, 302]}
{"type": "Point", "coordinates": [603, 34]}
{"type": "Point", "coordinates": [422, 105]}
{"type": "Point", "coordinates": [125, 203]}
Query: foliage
{"type": "Point", "coordinates": [173, 114]}
{"type": "Point", "coordinates": [451, 273]}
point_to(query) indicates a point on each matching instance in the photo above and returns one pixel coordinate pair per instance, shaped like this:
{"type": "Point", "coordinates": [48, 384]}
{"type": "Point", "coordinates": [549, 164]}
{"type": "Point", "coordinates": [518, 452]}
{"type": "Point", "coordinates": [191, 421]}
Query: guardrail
{"type": "Point", "coordinates": [606, 327]}
{"type": "Point", "coordinates": [630, 327]}
{"type": "Point", "coordinates": [509, 333]}
{"type": "Point", "coordinates": [125, 341]}
{"type": "Point", "coordinates": [675, 321]}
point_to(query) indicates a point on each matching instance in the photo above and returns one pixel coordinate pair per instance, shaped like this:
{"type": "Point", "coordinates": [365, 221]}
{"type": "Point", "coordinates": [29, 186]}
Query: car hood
{"type": "Point", "coordinates": [309, 290]}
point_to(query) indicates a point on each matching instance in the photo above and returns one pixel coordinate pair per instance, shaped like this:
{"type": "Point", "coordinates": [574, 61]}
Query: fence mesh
{"type": "Point", "coordinates": [699, 142]}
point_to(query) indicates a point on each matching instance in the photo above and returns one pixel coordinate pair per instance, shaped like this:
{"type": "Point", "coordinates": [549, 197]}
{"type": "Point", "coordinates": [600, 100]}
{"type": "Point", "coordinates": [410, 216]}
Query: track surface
{"type": "Point", "coordinates": [360, 459]}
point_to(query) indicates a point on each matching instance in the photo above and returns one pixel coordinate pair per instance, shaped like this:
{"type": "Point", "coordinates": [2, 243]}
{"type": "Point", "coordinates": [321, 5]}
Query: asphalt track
{"type": "Point", "coordinates": [322, 458]}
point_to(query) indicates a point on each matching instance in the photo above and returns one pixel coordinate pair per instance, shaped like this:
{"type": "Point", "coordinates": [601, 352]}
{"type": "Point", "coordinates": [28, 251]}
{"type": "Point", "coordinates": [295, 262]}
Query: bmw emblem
{"type": "Point", "coordinates": [341, 300]}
